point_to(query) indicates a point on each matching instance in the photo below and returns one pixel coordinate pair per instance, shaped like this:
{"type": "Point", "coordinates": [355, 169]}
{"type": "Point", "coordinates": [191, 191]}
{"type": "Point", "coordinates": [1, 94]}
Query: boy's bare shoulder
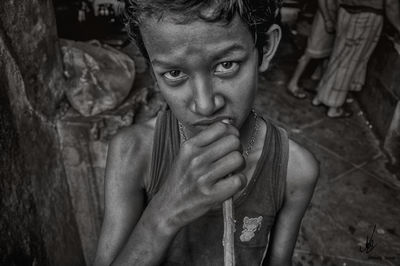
{"type": "Point", "coordinates": [130, 152]}
{"type": "Point", "coordinates": [303, 168]}
{"type": "Point", "coordinates": [138, 134]}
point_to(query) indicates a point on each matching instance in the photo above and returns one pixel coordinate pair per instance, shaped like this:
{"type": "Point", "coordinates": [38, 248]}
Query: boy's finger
{"type": "Point", "coordinates": [233, 162]}
{"type": "Point", "coordinates": [227, 187]}
{"type": "Point", "coordinates": [212, 133]}
{"type": "Point", "coordinates": [222, 147]}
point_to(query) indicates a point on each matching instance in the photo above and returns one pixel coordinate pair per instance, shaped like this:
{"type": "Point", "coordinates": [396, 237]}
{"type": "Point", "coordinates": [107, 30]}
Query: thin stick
{"type": "Point", "coordinates": [229, 229]}
{"type": "Point", "coordinates": [229, 226]}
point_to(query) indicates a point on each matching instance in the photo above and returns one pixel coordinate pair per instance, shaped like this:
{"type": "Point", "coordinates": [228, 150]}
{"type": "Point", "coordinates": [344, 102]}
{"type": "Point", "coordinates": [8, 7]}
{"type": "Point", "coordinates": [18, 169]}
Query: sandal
{"type": "Point", "coordinates": [299, 94]}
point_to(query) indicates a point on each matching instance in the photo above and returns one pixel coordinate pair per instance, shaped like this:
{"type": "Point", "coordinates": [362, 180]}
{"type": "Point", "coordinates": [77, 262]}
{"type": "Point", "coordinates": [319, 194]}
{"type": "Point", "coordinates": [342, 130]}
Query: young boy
{"type": "Point", "coordinates": [166, 179]}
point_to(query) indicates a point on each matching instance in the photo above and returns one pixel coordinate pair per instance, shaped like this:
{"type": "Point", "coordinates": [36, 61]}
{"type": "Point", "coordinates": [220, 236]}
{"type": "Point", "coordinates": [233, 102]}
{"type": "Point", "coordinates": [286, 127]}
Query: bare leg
{"type": "Point", "coordinates": [293, 83]}
{"type": "Point", "coordinates": [323, 66]}
{"type": "Point", "coordinates": [317, 73]}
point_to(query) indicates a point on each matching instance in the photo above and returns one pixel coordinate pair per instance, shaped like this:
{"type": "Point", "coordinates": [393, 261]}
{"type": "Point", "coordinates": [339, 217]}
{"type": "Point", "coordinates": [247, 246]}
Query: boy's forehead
{"type": "Point", "coordinates": [161, 37]}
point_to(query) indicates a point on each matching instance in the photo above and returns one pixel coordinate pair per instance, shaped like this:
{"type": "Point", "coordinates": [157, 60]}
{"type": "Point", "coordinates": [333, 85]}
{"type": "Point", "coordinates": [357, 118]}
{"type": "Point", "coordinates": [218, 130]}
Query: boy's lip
{"type": "Point", "coordinates": [207, 122]}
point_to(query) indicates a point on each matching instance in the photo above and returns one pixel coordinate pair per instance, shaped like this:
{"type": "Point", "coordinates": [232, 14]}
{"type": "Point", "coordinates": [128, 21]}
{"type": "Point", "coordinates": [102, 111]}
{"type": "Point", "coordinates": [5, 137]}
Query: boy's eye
{"type": "Point", "coordinates": [174, 75]}
{"type": "Point", "coordinates": [226, 67]}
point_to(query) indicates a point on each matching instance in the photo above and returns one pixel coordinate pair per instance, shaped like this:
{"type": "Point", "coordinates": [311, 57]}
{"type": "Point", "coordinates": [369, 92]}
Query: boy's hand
{"type": "Point", "coordinates": [199, 178]}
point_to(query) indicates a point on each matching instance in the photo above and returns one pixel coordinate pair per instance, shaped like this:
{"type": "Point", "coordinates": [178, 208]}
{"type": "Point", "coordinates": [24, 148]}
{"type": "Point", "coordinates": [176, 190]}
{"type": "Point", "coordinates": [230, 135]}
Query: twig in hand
{"type": "Point", "coordinates": [229, 229]}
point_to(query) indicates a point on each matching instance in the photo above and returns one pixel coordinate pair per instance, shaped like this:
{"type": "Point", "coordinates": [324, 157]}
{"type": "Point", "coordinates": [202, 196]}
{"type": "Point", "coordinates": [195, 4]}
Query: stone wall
{"type": "Point", "coordinates": [37, 225]}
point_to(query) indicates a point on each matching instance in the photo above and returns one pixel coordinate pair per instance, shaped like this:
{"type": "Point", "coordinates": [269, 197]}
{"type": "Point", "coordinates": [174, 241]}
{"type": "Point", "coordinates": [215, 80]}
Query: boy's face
{"type": "Point", "coordinates": [206, 71]}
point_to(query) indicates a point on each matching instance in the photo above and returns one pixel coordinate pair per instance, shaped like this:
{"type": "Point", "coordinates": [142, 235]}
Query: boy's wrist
{"type": "Point", "coordinates": [161, 220]}
{"type": "Point", "coordinates": [150, 239]}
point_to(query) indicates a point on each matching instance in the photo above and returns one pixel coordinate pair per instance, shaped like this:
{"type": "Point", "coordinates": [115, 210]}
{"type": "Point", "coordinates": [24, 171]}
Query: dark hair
{"type": "Point", "coordinates": [259, 15]}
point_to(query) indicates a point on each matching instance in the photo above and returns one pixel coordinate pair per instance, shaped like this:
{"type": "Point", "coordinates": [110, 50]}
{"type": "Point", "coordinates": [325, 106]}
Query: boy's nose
{"type": "Point", "coordinates": [205, 101]}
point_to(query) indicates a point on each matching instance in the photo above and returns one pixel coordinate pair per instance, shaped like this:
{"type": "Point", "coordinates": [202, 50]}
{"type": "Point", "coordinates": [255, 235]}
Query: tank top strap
{"type": "Point", "coordinates": [268, 182]}
{"type": "Point", "coordinates": [165, 148]}
{"type": "Point", "coordinates": [271, 169]}
{"type": "Point", "coordinates": [279, 166]}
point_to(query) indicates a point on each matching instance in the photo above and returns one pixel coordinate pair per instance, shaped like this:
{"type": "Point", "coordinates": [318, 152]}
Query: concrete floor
{"type": "Point", "coordinates": [355, 191]}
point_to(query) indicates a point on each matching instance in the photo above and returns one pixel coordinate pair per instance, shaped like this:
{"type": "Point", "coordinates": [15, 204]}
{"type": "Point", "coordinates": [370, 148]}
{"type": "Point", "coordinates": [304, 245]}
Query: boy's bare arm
{"type": "Point", "coordinates": [126, 218]}
{"type": "Point", "coordinates": [194, 185]}
{"type": "Point", "coordinates": [392, 10]}
{"type": "Point", "coordinates": [127, 160]}
{"type": "Point", "coordinates": [301, 179]}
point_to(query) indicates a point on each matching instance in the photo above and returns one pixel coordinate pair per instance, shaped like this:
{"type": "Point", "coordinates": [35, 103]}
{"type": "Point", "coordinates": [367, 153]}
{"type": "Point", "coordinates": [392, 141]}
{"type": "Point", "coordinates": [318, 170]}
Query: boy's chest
{"type": "Point", "coordinates": [200, 243]}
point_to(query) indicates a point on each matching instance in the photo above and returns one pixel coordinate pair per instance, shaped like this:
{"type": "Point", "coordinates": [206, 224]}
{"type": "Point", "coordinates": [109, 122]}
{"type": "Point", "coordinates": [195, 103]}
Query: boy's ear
{"type": "Point", "coordinates": [273, 36]}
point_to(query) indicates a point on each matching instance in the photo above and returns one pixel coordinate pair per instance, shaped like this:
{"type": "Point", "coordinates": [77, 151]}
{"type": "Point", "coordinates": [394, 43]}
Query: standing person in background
{"type": "Point", "coordinates": [319, 44]}
{"type": "Point", "coordinates": [358, 30]}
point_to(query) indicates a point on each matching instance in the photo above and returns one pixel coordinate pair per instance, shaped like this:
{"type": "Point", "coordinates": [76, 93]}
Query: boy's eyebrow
{"type": "Point", "coordinates": [218, 54]}
{"type": "Point", "coordinates": [229, 50]}
{"type": "Point", "coordinates": [161, 63]}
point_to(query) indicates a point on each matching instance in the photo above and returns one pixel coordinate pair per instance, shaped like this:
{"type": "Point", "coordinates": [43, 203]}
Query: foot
{"type": "Point", "coordinates": [339, 112]}
{"type": "Point", "coordinates": [316, 102]}
{"type": "Point", "coordinates": [296, 92]}
{"type": "Point", "coordinates": [350, 97]}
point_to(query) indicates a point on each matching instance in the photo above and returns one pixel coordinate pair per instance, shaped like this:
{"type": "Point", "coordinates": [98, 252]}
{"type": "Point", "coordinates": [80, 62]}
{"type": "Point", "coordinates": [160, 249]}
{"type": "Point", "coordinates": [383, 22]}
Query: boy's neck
{"type": "Point", "coordinates": [251, 128]}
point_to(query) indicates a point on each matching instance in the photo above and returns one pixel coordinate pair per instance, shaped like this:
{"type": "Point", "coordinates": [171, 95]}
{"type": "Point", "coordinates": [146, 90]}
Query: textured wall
{"type": "Point", "coordinates": [30, 33]}
{"type": "Point", "coordinates": [37, 225]}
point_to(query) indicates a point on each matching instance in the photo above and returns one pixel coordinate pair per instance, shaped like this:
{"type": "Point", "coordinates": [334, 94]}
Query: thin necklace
{"type": "Point", "coordinates": [251, 142]}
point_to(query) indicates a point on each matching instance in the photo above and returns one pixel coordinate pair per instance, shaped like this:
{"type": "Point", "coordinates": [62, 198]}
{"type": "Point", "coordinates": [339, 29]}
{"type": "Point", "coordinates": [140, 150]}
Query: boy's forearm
{"type": "Point", "coordinates": [149, 240]}
{"type": "Point", "coordinates": [392, 10]}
